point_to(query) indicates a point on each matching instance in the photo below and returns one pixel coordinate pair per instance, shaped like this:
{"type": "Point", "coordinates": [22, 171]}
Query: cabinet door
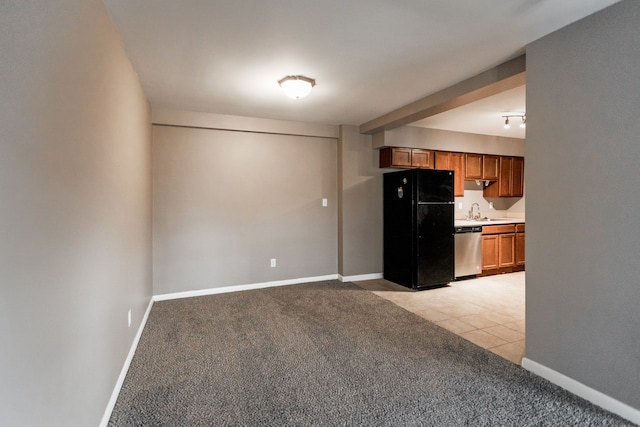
{"type": "Point", "coordinates": [517, 177]}
{"type": "Point", "coordinates": [442, 160]}
{"type": "Point", "coordinates": [473, 166]}
{"type": "Point", "coordinates": [452, 162]}
{"type": "Point", "coordinates": [519, 248]}
{"type": "Point", "coordinates": [401, 157]}
{"type": "Point", "coordinates": [490, 166]}
{"type": "Point", "coordinates": [392, 157]}
{"type": "Point", "coordinates": [507, 250]}
{"type": "Point", "coordinates": [504, 180]}
{"type": "Point", "coordinates": [456, 163]}
{"type": "Point", "coordinates": [490, 252]}
{"type": "Point", "coordinates": [421, 158]}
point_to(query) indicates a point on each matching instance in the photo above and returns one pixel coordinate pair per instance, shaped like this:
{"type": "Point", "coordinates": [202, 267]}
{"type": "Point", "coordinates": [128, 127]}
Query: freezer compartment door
{"type": "Point", "coordinates": [435, 255]}
{"type": "Point", "coordinates": [435, 186]}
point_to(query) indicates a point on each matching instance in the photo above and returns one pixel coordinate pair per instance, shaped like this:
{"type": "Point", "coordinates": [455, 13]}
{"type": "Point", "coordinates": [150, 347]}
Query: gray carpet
{"type": "Point", "coordinates": [326, 353]}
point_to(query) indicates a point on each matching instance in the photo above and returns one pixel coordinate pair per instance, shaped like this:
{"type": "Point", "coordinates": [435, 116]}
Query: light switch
{"type": "Point", "coordinates": [324, 202]}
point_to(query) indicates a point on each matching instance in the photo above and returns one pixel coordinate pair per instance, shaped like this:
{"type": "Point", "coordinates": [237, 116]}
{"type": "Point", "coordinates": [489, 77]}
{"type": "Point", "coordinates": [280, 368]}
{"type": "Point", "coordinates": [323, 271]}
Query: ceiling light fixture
{"type": "Point", "coordinates": [296, 87]}
{"type": "Point", "coordinates": [523, 125]}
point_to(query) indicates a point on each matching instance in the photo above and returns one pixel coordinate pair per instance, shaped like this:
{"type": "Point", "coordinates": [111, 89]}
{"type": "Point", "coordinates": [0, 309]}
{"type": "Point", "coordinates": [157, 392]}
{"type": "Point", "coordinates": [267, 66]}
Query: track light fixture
{"type": "Point", "coordinates": [523, 125]}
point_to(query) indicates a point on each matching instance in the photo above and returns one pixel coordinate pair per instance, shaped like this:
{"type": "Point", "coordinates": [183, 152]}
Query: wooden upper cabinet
{"type": "Point", "coordinates": [421, 158]}
{"type": "Point", "coordinates": [481, 166]}
{"type": "Point", "coordinates": [505, 173]}
{"type": "Point", "coordinates": [457, 161]}
{"type": "Point", "coordinates": [517, 177]}
{"type": "Point", "coordinates": [510, 179]}
{"type": "Point", "coordinates": [473, 166]}
{"type": "Point", "coordinates": [504, 177]}
{"type": "Point", "coordinates": [397, 157]}
{"type": "Point", "coordinates": [442, 159]}
{"type": "Point", "coordinates": [490, 166]}
{"type": "Point", "coordinates": [445, 160]}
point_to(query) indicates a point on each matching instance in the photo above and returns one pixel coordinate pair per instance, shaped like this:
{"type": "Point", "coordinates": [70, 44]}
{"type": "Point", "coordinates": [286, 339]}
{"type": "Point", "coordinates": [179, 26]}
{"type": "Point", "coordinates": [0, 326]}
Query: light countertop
{"type": "Point", "coordinates": [493, 221]}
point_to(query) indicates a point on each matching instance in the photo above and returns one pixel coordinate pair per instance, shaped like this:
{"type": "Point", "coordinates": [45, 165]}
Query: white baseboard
{"type": "Point", "coordinates": [125, 368]}
{"type": "Point", "coordinates": [236, 288]}
{"type": "Point", "coordinates": [579, 389]}
{"type": "Point", "coordinates": [360, 277]}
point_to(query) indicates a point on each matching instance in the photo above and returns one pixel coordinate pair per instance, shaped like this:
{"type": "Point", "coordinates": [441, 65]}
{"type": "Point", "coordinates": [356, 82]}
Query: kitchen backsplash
{"type": "Point", "coordinates": [510, 207]}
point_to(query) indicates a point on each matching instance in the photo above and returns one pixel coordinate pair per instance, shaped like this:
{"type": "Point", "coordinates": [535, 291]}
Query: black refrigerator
{"type": "Point", "coordinates": [418, 228]}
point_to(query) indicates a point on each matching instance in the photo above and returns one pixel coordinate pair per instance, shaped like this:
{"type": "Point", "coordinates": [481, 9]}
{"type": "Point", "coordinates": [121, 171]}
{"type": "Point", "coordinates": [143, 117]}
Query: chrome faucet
{"type": "Point", "coordinates": [471, 216]}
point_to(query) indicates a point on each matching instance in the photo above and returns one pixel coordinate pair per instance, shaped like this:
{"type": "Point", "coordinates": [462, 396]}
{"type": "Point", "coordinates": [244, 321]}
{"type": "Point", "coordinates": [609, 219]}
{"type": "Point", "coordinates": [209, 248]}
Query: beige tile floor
{"type": "Point", "coordinates": [488, 311]}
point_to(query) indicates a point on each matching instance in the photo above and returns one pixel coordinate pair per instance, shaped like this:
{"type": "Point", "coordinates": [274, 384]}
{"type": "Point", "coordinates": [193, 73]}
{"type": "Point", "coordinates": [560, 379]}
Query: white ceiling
{"type": "Point", "coordinates": [484, 116]}
{"type": "Point", "coordinates": [369, 57]}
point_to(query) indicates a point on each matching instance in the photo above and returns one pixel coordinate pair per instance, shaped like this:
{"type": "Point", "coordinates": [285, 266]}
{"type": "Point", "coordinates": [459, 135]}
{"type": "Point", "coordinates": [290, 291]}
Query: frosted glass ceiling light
{"type": "Point", "coordinates": [296, 87]}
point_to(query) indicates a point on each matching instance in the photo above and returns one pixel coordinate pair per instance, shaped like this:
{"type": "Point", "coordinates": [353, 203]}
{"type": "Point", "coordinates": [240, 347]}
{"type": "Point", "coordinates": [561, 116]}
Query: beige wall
{"type": "Point", "coordinates": [583, 239]}
{"type": "Point", "coordinates": [225, 202]}
{"type": "Point", "coordinates": [360, 249]}
{"type": "Point", "coordinates": [74, 211]}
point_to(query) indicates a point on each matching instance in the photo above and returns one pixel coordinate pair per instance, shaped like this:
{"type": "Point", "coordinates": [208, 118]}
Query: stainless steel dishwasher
{"type": "Point", "coordinates": [468, 250]}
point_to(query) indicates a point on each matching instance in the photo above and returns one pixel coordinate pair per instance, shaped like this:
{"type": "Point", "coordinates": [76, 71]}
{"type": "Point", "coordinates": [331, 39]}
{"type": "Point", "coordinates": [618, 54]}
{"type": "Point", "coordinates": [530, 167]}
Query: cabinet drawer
{"type": "Point", "coordinates": [519, 228]}
{"type": "Point", "coordinates": [497, 229]}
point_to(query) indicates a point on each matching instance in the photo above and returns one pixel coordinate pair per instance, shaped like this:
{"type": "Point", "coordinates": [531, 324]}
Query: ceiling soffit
{"type": "Point", "coordinates": [504, 77]}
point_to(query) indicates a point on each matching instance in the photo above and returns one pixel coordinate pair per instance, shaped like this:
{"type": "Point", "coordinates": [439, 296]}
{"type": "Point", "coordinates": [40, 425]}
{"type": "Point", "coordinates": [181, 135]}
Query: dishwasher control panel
{"type": "Point", "coordinates": [468, 229]}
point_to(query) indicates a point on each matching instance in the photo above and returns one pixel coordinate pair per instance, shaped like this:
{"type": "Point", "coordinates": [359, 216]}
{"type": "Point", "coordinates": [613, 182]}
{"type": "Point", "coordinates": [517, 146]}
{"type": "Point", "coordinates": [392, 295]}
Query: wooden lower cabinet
{"type": "Point", "coordinates": [502, 249]}
{"type": "Point", "coordinates": [520, 245]}
{"type": "Point", "coordinates": [490, 252]}
{"type": "Point", "coordinates": [507, 250]}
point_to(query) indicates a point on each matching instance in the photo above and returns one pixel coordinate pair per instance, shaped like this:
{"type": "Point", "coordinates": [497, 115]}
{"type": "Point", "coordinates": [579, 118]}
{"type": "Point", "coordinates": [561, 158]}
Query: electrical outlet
{"type": "Point", "coordinates": [129, 318]}
{"type": "Point", "coordinates": [273, 262]}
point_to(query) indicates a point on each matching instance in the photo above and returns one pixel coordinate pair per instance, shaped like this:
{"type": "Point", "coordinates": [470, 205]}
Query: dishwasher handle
{"type": "Point", "coordinates": [468, 229]}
